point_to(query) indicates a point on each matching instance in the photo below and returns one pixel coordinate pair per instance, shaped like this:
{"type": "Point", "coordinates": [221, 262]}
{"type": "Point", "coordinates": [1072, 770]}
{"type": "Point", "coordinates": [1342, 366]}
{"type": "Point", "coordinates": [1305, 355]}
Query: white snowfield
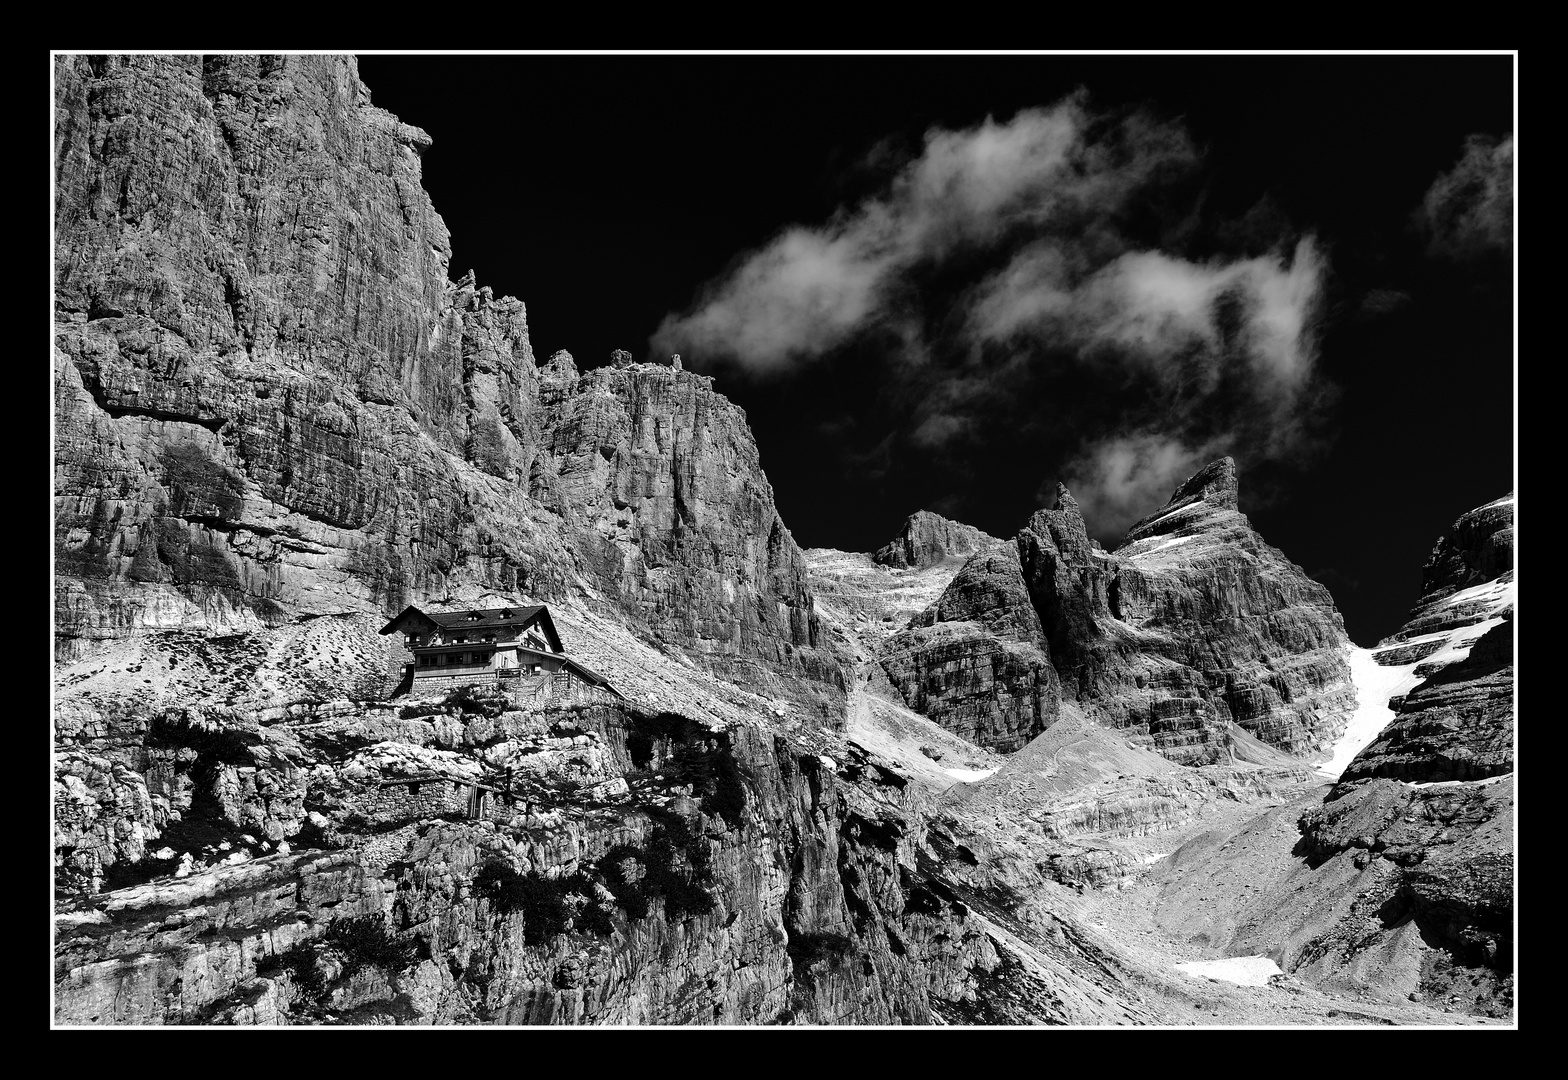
{"type": "Point", "coordinates": [1241, 970]}
{"type": "Point", "coordinates": [969, 776]}
{"type": "Point", "coordinates": [1375, 684]}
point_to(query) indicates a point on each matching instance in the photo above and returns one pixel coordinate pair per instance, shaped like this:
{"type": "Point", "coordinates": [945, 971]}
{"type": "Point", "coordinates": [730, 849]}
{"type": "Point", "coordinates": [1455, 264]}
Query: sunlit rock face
{"type": "Point", "coordinates": [1457, 724]}
{"type": "Point", "coordinates": [1208, 625]}
{"type": "Point", "coordinates": [1191, 625]}
{"type": "Point", "coordinates": [928, 539]}
{"type": "Point", "coordinates": [271, 401]}
{"type": "Point", "coordinates": [976, 660]}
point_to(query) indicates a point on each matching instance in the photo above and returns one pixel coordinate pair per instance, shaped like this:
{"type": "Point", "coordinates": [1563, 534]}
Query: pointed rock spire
{"type": "Point", "coordinates": [1215, 484]}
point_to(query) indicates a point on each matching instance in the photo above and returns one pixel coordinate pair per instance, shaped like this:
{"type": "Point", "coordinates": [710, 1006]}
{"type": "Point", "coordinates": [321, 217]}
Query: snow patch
{"type": "Point", "coordinates": [1154, 857]}
{"type": "Point", "coordinates": [969, 776]}
{"type": "Point", "coordinates": [1458, 783]}
{"type": "Point", "coordinates": [1497, 594]}
{"type": "Point", "coordinates": [1241, 970]}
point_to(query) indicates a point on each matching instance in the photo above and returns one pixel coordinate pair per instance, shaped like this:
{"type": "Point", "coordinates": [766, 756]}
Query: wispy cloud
{"type": "Point", "coordinates": [1118, 480]}
{"type": "Point", "coordinates": [1469, 210]}
{"type": "Point", "coordinates": [1013, 253]}
{"type": "Point", "coordinates": [811, 289]}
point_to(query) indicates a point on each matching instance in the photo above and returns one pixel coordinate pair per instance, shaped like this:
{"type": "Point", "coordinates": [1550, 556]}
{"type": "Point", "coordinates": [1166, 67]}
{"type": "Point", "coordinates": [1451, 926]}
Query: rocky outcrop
{"type": "Point", "coordinates": [669, 511]}
{"type": "Point", "coordinates": [976, 660]}
{"type": "Point", "coordinates": [641, 869]}
{"type": "Point", "coordinates": [1064, 807]}
{"type": "Point", "coordinates": [1191, 626]}
{"type": "Point", "coordinates": [1457, 724]}
{"type": "Point", "coordinates": [929, 539]}
{"type": "Point", "coordinates": [1390, 891]}
{"type": "Point", "coordinates": [1400, 881]}
{"type": "Point", "coordinates": [271, 402]}
{"type": "Point", "coordinates": [1193, 623]}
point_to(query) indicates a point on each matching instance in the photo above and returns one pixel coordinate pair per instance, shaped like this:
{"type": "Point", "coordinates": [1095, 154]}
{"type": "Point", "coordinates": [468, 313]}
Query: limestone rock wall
{"type": "Point", "coordinates": [270, 400]}
{"type": "Point", "coordinates": [976, 660]}
{"type": "Point", "coordinates": [1191, 624]}
{"type": "Point", "coordinates": [820, 911]}
{"type": "Point", "coordinates": [928, 539]}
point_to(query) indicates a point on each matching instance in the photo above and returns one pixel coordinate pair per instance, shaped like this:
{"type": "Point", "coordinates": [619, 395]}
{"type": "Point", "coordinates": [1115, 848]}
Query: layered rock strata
{"type": "Point", "coordinates": [270, 401]}
{"type": "Point", "coordinates": [1193, 624]}
{"type": "Point", "coordinates": [641, 868]}
{"type": "Point", "coordinates": [1458, 722]}
{"type": "Point", "coordinates": [975, 661]}
{"type": "Point", "coordinates": [929, 539]}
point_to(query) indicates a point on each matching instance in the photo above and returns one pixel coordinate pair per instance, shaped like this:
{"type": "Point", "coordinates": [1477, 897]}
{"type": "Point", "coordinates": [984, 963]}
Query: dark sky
{"type": "Point", "coordinates": [606, 192]}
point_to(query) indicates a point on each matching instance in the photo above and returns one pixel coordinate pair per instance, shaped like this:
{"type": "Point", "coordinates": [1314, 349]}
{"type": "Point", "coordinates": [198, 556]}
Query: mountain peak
{"type": "Point", "coordinates": [1193, 503]}
{"type": "Point", "coordinates": [927, 539]}
{"type": "Point", "coordinates": [1215, 484]}
{"type": "Point", "coordinates": [1065, 501]}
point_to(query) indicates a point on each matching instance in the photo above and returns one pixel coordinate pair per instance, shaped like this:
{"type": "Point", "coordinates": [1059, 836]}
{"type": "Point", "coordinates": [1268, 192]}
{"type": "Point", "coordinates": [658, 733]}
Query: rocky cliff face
{"type": "Point", "coordinates": [270, 401]}
{"type": "Point", "coordinates": [1399, 880]}
{"type": "Point", "coordinates": [975, 661]}
{"type": "Point", "coordinates": [278, 420]}
{"type": "Point", "coordinates": [327, 864]}
{"type": "Point", "coordinates": [1458, 722]}
{"type": "Point", "coordinates": [928, 539]}
{"type": "Point", "coordinates": [1192, 625]}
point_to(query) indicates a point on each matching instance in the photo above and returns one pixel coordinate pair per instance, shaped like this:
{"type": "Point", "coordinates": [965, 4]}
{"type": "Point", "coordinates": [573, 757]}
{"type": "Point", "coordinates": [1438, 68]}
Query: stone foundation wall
{"type": "Point", "coordinates": [427, 798]}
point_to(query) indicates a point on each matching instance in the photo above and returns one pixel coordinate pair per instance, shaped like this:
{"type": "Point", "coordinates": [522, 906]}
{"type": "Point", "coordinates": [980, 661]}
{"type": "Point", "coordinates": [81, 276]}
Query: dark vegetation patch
{"type": "Point", "coordinates": [358, 943]}
{"type": "Point", "coordinates": [485, 699]}
{"type": "Point", "coordinates": [673, 867]}
{"type": "Point", "coordinates": [299, 962]}
{"type": "Point", "coordinates": [366, 942]}
{"type": "Point", "coordinates": [549, 906]}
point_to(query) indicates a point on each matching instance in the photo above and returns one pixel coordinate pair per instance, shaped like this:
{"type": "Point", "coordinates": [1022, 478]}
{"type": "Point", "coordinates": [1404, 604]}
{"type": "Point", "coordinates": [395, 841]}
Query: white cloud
{"type": "Point", "coordinates": [1470, 209]}
{"type": "Point", "coordinates": [811, 289]}
{"type": "Point", "coordinates": [1119, 480]}
{"type": "Point", "coordinates": [1028, 226]}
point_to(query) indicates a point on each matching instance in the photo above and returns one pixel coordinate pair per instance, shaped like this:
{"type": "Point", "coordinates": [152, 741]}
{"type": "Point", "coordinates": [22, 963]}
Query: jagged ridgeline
{"type": "Point", "coordinates": [1191, 628]}
{"type": "Point", "coordinates": [828, 787]}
